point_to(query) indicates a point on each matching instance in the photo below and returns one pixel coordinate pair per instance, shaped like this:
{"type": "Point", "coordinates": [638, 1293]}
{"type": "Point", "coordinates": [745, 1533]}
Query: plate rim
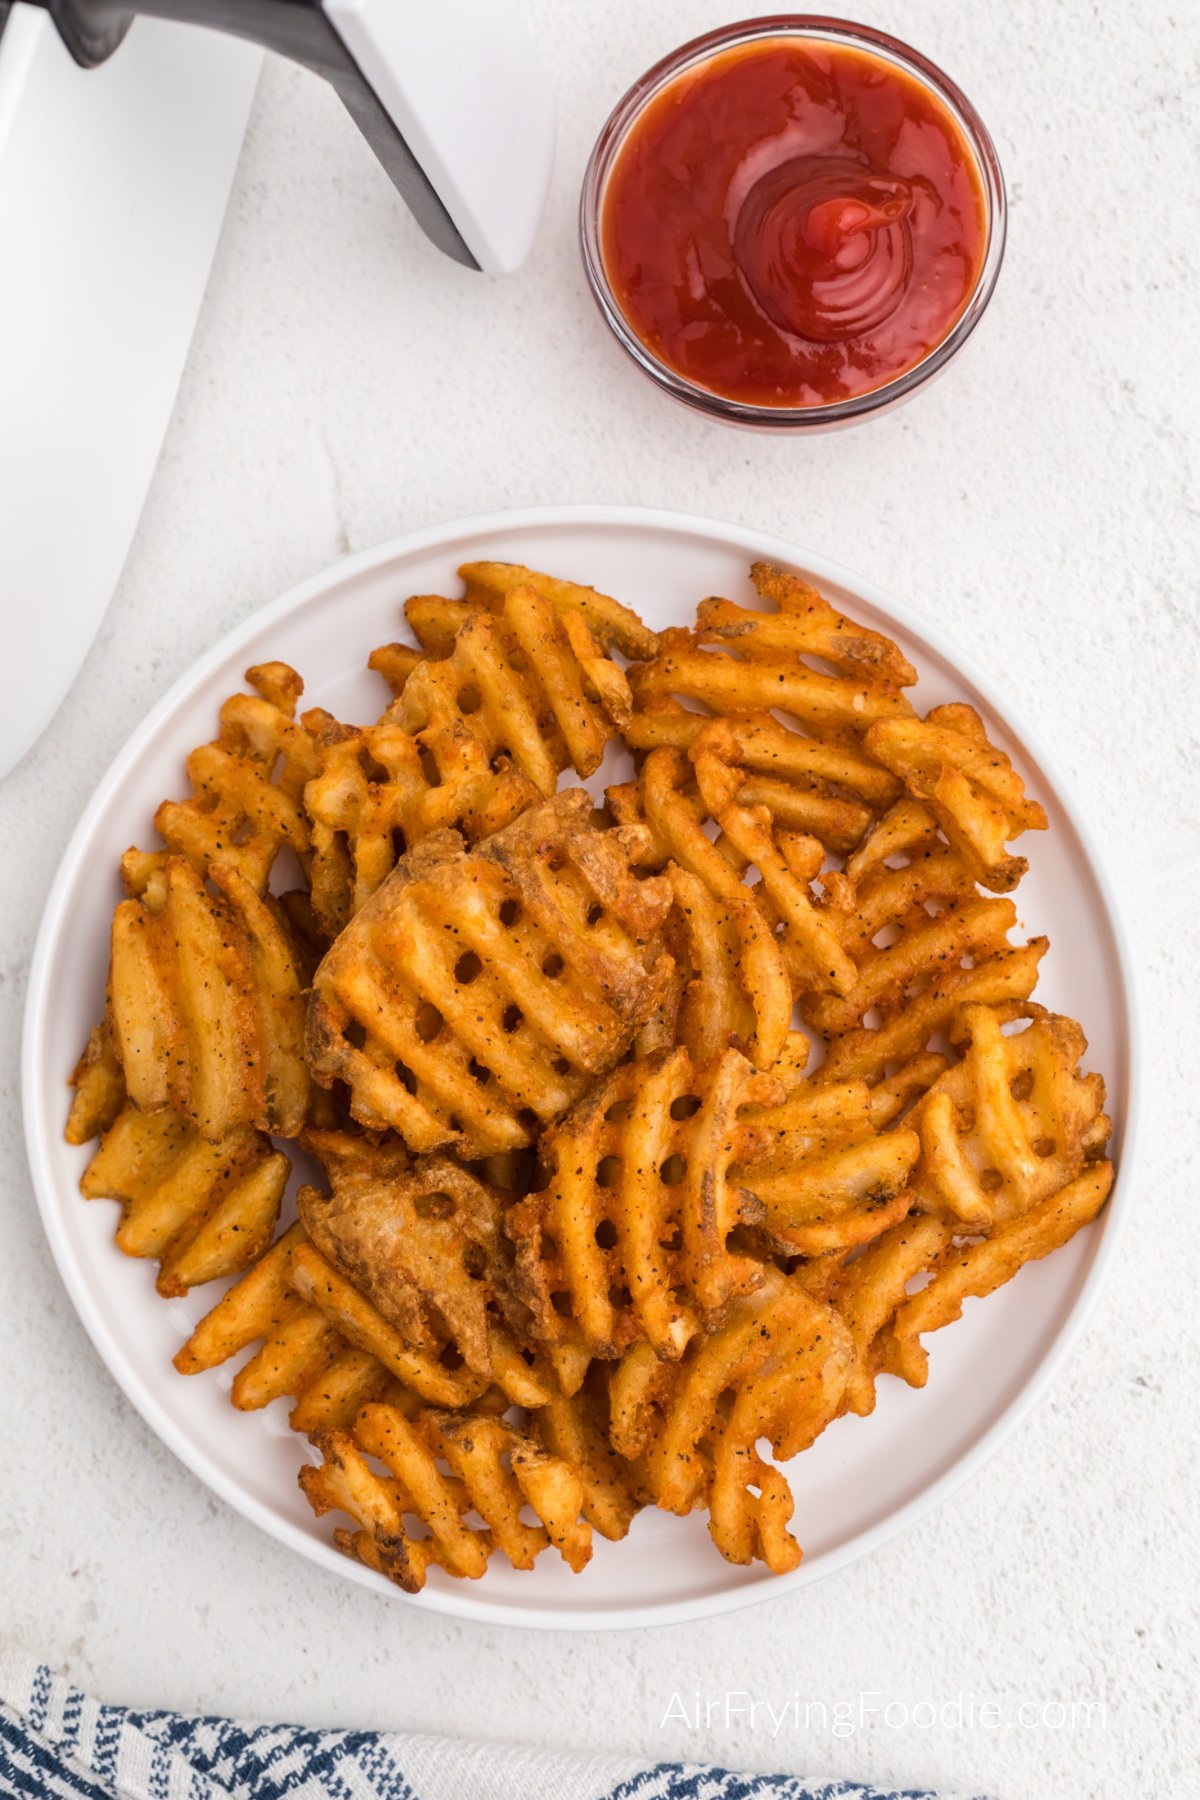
{"type": "Point", "coordinates": [468, 1604]}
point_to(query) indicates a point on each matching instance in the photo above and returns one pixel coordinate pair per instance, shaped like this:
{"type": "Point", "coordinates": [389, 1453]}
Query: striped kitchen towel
{"type": "Point", "coordinates": [59, 1743]}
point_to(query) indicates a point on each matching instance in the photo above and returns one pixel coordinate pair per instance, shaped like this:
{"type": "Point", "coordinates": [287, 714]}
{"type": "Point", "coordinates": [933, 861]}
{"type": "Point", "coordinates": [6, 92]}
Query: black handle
{"type": "Point", "coordinates": [299, 29]}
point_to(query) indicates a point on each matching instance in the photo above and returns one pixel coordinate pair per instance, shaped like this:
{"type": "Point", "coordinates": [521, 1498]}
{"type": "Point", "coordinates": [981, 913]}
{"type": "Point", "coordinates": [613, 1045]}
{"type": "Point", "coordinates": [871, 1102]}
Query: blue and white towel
{"type": "Point", "coordinates": [57, 1743]}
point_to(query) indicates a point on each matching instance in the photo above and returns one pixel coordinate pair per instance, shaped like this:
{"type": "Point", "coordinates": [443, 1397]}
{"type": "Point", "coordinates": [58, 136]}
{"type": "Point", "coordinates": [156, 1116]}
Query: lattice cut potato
{"type": "Point", "coordinates": [776, 1369]}
{"type": "Point", "coordinates": [1009, 1124]}
{"type": "Point", "coordinates": [247, 789]}
{"type": "Point", "coordinates": [477, 994]}
{"type": "Point", "coordinates": [207, 1003]}
{"type": "Point", "coordinates": [629, 1237]}
{"type": "Point", "coordinates": [528, 682]}
{"type": "Point", "coordinates": [204, 1209]}
{"type": "Point", "coordinates": [418, 1237]}
{"type": "Point", "coordinates": [412, 1485]}
{"type": "Point", "coordinates": [946, 761]}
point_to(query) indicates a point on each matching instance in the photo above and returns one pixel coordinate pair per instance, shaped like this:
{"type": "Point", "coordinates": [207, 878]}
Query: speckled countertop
{"type": "Point", "coordinates": [347, 384]}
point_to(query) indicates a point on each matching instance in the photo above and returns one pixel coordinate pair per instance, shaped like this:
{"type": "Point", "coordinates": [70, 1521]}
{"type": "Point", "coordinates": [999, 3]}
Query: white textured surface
{"type": "Point", "coordinates": [346, 384]}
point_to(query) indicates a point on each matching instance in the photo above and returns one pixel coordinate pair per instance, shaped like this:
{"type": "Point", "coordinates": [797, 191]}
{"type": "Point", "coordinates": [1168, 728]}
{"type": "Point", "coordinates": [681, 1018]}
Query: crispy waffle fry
{"type": "Point", "coordinates": [1011, 1123]}
{"type": "Point", "coordinates": [738, 989]}
{"type": "Point", "coordinates": [575, 1429]}
{"type": "Point", "coordinates": [629, 1237]}
{"type": "Point", "coordinates": [382, 789]}
{"type": "Point", "coordinates": [99, 1084]}
{"type": "Point", "coordinates": [834, 1179]}
{"type": "Point", "coordinates": [975, 1270]}
{"type": "Point", "coordinates": [418, 1239]}
{"type": "Point", "coordinates": [203, 1209]}
{"type": "Point", "coordinates": [208, 1016]}
{"type": "Point", "coordinates": [441, 1467]}
{"type": "Point", "coordinates": [777, 1369]}
{"type": "Point", "coordinates": [486, 990]}
{"type": "Point", "coordinates": [868, 1290]}
{"type": "Point", "coordinates": [969, 785]}
{"type": "Point", "coordinates": [247, 789]}
{"type": "Point", "coordinates": [436, 622]}
{"type": "Point", "coordinates": [529, 683]}
{"type": "Point", "coordinates": [305, 1316]}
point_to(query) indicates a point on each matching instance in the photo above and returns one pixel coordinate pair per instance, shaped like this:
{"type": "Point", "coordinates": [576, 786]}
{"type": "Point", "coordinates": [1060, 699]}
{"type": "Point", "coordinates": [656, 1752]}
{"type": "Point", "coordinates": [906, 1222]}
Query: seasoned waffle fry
{"type": "Point", "coordinates": [975, 1270]}
{"type": "Point", "coordinates": [575, 1429]}
{"type": "Point", "coordinates": [868, 1290]}
{"type": "Point", "coordinates": [629, 1238]}
{"type": "Point", "coordinates": [99, 1084]}
{"type": "Point", "coordinates": [485, 990]}
{"type": "Point", "coordinates": [383, 788]}
{"type": "Point", "coordinates": [971, 788]}
{"type": "Point", "coordinates": [1011, 1123]}
{"type": "Point", "coordinates": [442, 1466]}
{"type": "Point", "coordinates": [208, 1016]}
{"type": "Point", "coordinates": [203, 1209]}
{"type": "Point", "coordinates": [783, 1358]}
{"type": "Point", "coordinates": [611, 624]}
{"type": "Point", "coordinates": [247, 788]}
{"type": "Point", "coordinates": [528, 683]}
{"type": "Point", "coordinates": [833, 1179]}
{"type": "Point", "coordinates": [764, 674]}
{"type": "Point", "coordinates": [418, 1239]}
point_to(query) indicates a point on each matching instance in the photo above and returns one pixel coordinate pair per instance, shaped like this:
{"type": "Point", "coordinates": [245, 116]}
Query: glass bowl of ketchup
{"type": "Point", "coordinates": [793, 222]}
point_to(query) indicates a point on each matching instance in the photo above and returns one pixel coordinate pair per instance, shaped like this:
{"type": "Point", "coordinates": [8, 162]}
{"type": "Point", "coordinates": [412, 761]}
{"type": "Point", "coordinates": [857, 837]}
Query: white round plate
{"type": "Point", "coordinates": [865, 1478]}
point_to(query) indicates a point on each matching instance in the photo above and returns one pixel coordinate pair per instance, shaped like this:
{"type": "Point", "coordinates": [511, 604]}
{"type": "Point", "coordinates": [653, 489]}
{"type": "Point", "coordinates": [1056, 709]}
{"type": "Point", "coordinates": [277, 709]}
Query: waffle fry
{"type": "Point", "coordinates": [382, 789]}
{"type": "Point", "coordinates": [247, 788]}
{"type": "Point", "coordinates": [629, 1238]}
{"type": "Point", "coordinates": [978, 1269]}
{"type": "Point", "coordinates": [783, 1358]}
{"type": "Point", "coordinates": [970, 787]}
{"type": "Point", "coordinates": [440, 1467]}
{"type": "Point", "coordinates": [203, 1209]}
{"type": "Point", "coordinates": [435, 621]}
{"type": "Point", "coordinates": [99, 1084]}
{"type": "Point", "coordinates": [208, 1017]}
{"type": "Point", "coordinates": [487, 989]}
{"type": "Point", "coordinates": [528, 683]}
{"type": "Point", "coordinates": [834, 1179]}
{"type": "Point", "coordinates": [1011, 1123]}
{"type": "Point", "coordinates": [418, 1239]}
{"type": "Point", "coordinates": [575, 1429]}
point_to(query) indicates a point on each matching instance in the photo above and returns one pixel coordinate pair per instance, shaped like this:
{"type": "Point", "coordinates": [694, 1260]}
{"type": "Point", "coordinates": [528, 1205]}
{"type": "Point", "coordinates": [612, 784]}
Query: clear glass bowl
{"type": "Point", "coordinates": [781, 25]}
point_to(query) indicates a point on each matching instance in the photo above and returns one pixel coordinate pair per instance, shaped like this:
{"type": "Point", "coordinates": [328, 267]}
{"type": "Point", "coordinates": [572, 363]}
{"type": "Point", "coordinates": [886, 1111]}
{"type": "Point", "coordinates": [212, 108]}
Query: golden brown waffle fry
{"type": "Point", "coordinates": [970, 787]}
{"type": "Point", "coordinates": [1009, 1124]}
{"type": "Point", "coordinates": [382, 789]}
{"type": "Point", "coordinates": [777, 1370]}
{"type": "Point", "coordinates": [629, 1238]}
{"type": "Point", "coordinates": [612, 624]}
{"type": "Point", "coordinates": [833, 1179]}
{"type": "Point", "coordinates": [867, 1291]}
{"type": "Point", "coordinates": [477, 994]}
{"type": "Point", "coordinates": [208, 1014]}
{"type": "Point", "coordinates": [247, 789]}
{"type": "Point", "coordinates": [417, 1238]}
{"type": "Point", "coordinates": [203, 1209]}
{"type": "Point", "coordinates": [975, 1270]}
{"type": "Point", "coordinates": [759, 668]}
{"type": "Point", "coordinates": [305, 1316]}
{"type": "Point", "coordinates": [442, 1466]}
{"type": "Point", "coordinates": [739, 991]}
{"type": "Point", "coordinates": [530, 684]}
{"type": "Point", "coordinates": [99, 1084]}
{"type": "Point", "coordinates": [575, 1429]}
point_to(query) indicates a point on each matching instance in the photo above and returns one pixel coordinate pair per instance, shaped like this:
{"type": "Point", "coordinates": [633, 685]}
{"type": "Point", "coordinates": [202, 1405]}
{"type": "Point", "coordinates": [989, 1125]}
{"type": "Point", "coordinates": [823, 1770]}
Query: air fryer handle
{"type": "Point", "coordinates": [461, 205]}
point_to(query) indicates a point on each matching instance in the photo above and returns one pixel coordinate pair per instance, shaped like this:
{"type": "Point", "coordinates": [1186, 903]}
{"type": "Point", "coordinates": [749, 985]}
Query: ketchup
{"type": "Point", "coordinates": [793, 222]}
